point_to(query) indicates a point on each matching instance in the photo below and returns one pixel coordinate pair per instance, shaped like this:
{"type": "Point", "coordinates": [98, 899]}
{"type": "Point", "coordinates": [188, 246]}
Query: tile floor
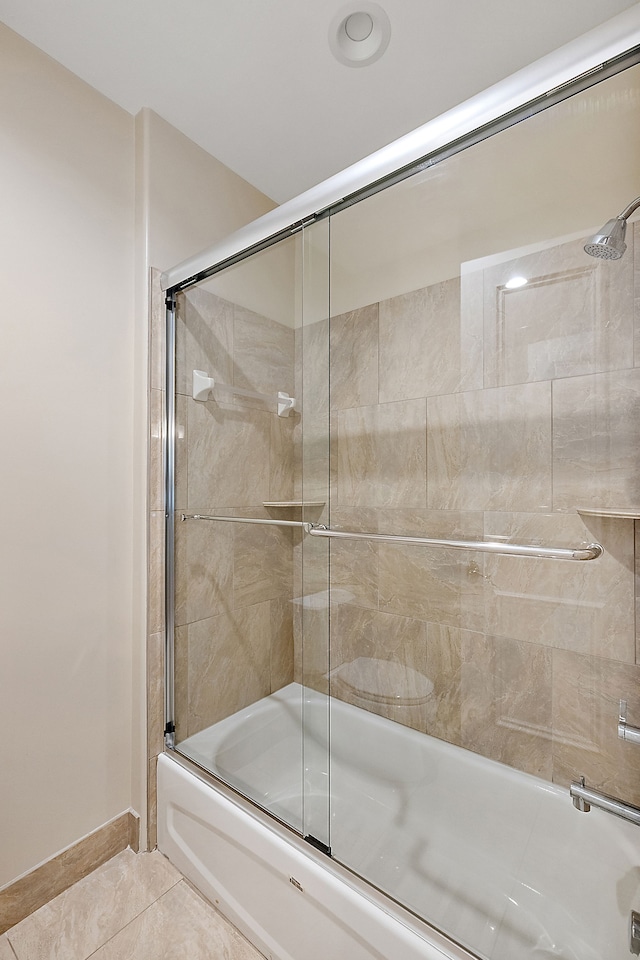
{"type": "Point", "coordinates": [135, 907]}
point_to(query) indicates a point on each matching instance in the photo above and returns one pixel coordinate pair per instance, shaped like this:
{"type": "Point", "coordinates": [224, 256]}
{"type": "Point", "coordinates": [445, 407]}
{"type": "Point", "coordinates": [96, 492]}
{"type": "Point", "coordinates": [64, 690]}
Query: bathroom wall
{"type": "Point", "coordinates": [185, 200]}
{"type": "Point", "coordinates": [66, 254]}
{"type": "Point", "coordinates": [468, 410]}
{"type": "Point", "coordinates": [92, 204]}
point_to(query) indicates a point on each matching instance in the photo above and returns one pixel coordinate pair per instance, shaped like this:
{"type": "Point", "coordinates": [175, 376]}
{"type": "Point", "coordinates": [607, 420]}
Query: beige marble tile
{"type": "Point", "coordinates": [443, 586]}
{"type": "Point", "coordinates": [472, 327]}
{"type": "Point", "coordinates": [155, 599]}
{"type": "Point", "coordinates": [506, 710]}
{"type": "Point", "coordinates": [181, 481]}
{"type": "Point", "coordinates": [378, 662]}
{"type": "Point", "coordinates": [636, 526]}
{"type": "Point", "coordinates": [203, 569]}
{"type": "Point", "coordinates": [314, 458]}
{"type": "Point", "coordinates": [421, 344]}
{"type": "Point", "coordinates": [490, 449]}
{"type": "Point", "coordinates": [156, 332]}
{"type": "Point", "coordinates": [382, 455]}
{"type": "Point", "coordinates": [181, 682]}
{"type": "Point", "coordinates": [354, 572]}
{"type": "Point", "coordinates": [228, 456]}
{"type": "Point", "coordinates": [82, 918]}
{"type": "Point", "coordinates": [229, 664]}
{"type": "Point", "coordinates": [312, 653]}
{"type": "Point", "coordinates": [281, 458]}
{"type": "Point", "coordinates": [633, 236]}
{"type": "Point", "coordinates": [156, 464]}
{"type": "Point", "coordinates": [436, 524]}
{"type": "Point", "coordinates": [354, 563]}
{"type": "Point", "coordinates": [152, 804]}
{"type": "Point", "coordinates": [446, 648]}
{"type": "Point", "coordinates": [179, 924]}
{"type": "Point", "coordinates": [596, 441]}
{"type": "Point", "coordinates": [586, 695]}
{"type": "Point", "coordinates": [574, 316]}
{"type": "Point", "coordinates": [262, 563]}
{"type": "Point", "coordinates": [354, 358]}
{"type": "Point", "coordinates": [262, 354]}
{"type": "Point", "coordinates": [281, 653]}
{"type": "Point", "coordinates": [492, 696]}
{"type": "Point", "coordinates": [587, 607]}
{"type": "Point", "coordinates": [312, 369]}
{"type": "Point", "coordinates": [6, 953]}
{"type": "Point", "coordinates": [155, 694]}
{"type": "Point", "coordinates": [56, 875]}
{"type": "Point", "coordinates": [204, 338]}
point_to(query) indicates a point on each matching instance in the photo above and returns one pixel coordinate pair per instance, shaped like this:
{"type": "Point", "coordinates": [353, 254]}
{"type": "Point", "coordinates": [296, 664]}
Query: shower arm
{"type": "Point", "coordinates": [628, 210]}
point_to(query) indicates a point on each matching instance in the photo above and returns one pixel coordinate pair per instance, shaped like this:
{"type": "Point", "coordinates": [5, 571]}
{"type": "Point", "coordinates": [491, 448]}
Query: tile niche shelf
{"type": "Point", "coordinates": [628, 513]}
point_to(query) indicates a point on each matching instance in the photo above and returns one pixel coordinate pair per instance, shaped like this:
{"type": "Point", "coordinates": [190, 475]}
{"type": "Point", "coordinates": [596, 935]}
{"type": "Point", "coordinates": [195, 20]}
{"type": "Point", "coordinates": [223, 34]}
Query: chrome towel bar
{"type": "Point", "coordinates": [590, 552]}
{"type": "Point", "coordinates": [266, 523]}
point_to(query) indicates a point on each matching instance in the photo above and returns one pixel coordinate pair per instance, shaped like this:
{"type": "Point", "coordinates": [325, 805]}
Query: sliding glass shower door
{"type": "Point", "coordinates": [485, 390]}
{"type": "Point", "coordinates": [251, 470]}
{"type": "Point", "coordinates": [404, 577]}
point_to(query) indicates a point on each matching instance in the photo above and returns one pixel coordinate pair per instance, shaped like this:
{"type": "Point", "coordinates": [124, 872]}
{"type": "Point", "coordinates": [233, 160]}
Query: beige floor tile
{"type": "Point", "coordinates": [75, 924]}
{"type": "Point", "coordinates": [179, 926]}
{"type": "Point", "coordinates": [6, 953]}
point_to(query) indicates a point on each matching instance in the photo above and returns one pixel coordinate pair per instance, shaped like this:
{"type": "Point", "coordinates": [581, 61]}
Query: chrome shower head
{"type": "Point", "coordinates": [608, 243]}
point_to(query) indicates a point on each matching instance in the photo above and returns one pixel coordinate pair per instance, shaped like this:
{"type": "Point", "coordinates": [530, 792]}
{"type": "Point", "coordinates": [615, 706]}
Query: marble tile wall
{"type": "Point", "coordinates": [234, 583]}
{"type": "Point", "coordinates": [469, 410]}
{"type": "Point", "coordinates": [234, 618]}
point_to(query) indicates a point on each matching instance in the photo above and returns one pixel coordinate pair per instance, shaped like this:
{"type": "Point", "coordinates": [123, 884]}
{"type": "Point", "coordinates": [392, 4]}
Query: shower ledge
{"type": "Point", "coordinates": [628, 513]}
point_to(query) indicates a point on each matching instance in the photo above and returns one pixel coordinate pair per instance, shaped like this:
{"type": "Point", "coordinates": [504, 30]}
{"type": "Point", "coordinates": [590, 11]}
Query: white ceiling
{"type": "Point", "coordinates": [254, 81]}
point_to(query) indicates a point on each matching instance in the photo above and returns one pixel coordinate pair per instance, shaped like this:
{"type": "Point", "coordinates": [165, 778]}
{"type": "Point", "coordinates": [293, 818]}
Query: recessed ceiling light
{"type": "Point", "coordinates": [359, 33]}
{"type": "Point", "coordinates": [516, 282]}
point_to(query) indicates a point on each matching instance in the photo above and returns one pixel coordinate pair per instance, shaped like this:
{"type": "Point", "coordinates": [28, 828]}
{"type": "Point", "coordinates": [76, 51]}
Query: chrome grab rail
{"type": "Point", "coordinates": [584, 798]}
{"type": "Point", "coordinates": [590, 552]}
{"type": "Point", "coordinates": [625, 730]}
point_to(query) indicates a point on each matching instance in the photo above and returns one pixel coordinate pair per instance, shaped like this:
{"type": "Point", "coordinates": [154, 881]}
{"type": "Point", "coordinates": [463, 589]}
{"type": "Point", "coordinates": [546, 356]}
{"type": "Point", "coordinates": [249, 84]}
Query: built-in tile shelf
{"type": "Point", "coordinates": [293, 503]}
{"type": "Point", "coordinates": [627, 514]}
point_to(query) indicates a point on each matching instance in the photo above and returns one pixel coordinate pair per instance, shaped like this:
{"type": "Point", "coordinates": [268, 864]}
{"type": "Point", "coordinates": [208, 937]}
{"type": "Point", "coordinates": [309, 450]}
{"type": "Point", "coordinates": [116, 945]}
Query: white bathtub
{"type": "Point", "coordinates": [499, 860]}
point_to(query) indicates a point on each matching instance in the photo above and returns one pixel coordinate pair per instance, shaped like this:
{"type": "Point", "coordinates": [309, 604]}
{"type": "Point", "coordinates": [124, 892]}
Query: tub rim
{"type": "Point", "coordinates": [450, 948]}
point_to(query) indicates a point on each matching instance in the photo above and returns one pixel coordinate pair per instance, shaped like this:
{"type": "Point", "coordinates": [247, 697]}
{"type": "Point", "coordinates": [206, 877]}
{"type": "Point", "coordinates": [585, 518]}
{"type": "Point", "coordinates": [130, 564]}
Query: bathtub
{"type": "Point", "coordinates": [498, 859]}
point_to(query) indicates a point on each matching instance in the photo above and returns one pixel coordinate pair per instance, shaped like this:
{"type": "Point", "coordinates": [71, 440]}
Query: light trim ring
{"type": "Point", "coordinates": [359, 33]}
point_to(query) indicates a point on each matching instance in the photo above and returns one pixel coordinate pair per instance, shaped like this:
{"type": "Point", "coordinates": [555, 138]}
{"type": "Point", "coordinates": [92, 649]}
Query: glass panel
{"type": "Point", "coordinates": [240, 664]}
{"type": "Point", "coordinates": [483, 387]}
{"type": "Point", "coordinates": [312, 600]}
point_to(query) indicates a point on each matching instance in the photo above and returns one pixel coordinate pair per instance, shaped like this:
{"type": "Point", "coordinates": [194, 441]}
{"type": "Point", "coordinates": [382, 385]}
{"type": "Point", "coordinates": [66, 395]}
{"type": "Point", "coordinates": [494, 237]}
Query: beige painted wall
{"type": "Point", "coordinates": [193, 199]}
{"type": "Point", "coordinates": [66, 381]}
{"type": "Point", "coordinates": [186, 200]}
{"type": "Point", "coordinates": [75, 251]}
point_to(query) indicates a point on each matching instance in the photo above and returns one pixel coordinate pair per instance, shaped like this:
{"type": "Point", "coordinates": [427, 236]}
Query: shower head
{"type": "Point", "coordinates": [608, 243]}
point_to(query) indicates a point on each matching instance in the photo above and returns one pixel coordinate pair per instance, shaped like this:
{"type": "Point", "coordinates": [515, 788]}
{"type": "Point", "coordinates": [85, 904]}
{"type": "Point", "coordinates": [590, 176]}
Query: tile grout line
{"type": "Point", "coordinates": [11, 947]}
{"type": "Point", "coordinates": [133, 919]}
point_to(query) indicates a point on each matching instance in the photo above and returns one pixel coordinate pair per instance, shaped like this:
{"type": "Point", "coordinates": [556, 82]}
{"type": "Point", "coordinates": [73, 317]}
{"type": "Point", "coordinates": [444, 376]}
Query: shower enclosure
{"type": "Point", "coordinates": [402, 485]}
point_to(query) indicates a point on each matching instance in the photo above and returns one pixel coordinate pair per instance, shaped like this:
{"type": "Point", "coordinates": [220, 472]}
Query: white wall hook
{"type": "Point", "coordinates": [285, 404]}
{"type": "Point", "coordinates": [202, 385]}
